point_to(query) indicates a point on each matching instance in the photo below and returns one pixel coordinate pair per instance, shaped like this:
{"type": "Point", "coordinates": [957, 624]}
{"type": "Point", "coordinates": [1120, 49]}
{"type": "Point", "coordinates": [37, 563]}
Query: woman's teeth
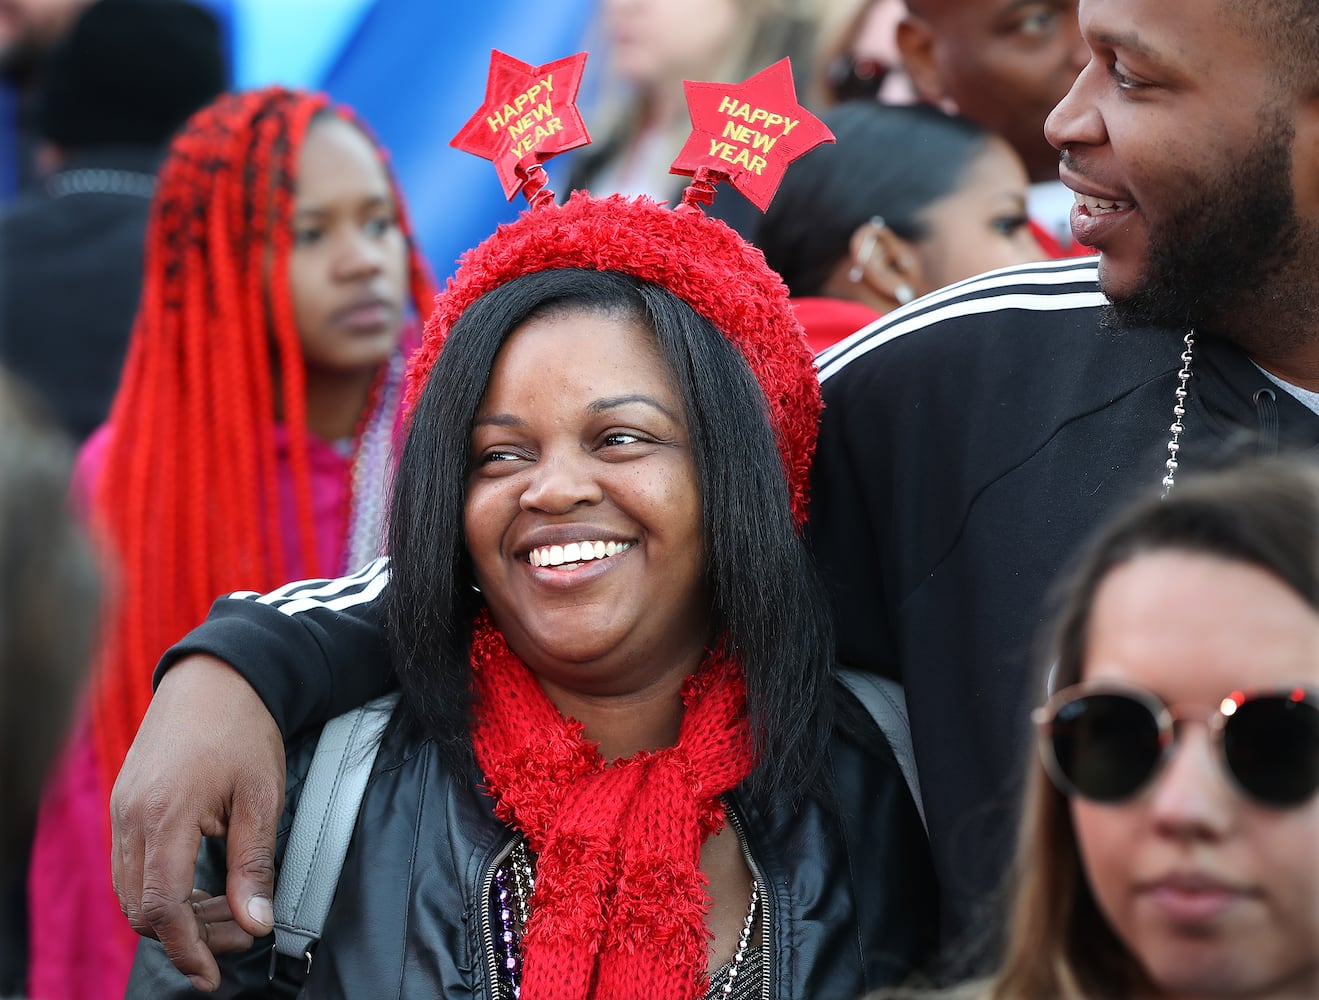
{"type": "Point", "coordinates": [1100, 206]}
{"type": "Point", "coordinates": [575, 552]}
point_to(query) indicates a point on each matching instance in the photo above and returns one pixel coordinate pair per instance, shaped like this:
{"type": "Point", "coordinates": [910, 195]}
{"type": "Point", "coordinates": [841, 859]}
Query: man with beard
{"type": "Point", "coordinates": [973, 439]}
{"type": "Point", "coordinates": [970, 442]}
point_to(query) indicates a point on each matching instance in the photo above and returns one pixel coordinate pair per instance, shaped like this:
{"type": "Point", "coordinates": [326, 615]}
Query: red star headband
{"type": "Point", "coordinates": [744, 134]}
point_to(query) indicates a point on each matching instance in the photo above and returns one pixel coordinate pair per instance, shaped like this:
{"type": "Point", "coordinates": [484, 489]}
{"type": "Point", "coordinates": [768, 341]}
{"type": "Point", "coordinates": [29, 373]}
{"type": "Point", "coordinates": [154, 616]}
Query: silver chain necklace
{"type": "Point", "coordinates": [1178, 411]}
{"type": "Point", "coordinates": [132, 183]}
{"type": "Point", "coordinates": [523, 874]}
{"type": "Point", "coordinates": [743, 940]}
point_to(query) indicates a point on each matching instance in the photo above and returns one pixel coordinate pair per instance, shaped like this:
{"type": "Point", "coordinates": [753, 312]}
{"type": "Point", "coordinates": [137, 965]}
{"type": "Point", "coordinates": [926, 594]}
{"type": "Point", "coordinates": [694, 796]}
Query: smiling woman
{"type": "Point", "coordinates": [620, 766]}
{"type": "Point", "coordinates": [249, 440]}
{"type": "Point", "coordinates": [581, 411]}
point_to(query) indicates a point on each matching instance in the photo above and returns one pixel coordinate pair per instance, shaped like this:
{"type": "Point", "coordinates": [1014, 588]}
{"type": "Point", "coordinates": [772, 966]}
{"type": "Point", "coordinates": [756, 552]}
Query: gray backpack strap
{"type": "Point", "coordinates": [323, 826]}
{"type": "Point", "coordinates": [887, 704]}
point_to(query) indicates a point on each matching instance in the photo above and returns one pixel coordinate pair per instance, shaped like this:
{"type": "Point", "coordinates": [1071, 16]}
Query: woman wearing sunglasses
{"type": "Point", "coordinates": [1171, 840]}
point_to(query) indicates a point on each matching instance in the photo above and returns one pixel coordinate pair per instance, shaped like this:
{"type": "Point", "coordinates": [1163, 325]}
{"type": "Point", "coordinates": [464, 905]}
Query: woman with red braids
{"type": "Point", "coordinates": [250, 441]}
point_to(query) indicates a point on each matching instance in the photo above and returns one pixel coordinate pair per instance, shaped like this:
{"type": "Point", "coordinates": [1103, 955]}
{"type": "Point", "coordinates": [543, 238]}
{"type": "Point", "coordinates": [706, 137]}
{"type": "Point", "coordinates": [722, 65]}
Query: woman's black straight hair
{"type": "Point", "coordinates": [769, 607]}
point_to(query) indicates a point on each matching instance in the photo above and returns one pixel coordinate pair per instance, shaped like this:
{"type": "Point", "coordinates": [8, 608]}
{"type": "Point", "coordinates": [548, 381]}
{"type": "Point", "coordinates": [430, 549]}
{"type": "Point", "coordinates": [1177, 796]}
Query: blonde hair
{"type": "Point", "coordinates": [1058, 943]}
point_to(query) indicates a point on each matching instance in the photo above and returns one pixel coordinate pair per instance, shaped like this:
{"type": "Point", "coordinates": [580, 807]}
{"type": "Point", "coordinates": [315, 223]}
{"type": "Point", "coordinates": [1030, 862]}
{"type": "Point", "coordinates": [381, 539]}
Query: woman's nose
{"type": "Point", "coordinates": [560, 482]}
{"type": "Point", "coordinates": [359, 255]}
{"type": "Point", "coordinates": [1193, 797]}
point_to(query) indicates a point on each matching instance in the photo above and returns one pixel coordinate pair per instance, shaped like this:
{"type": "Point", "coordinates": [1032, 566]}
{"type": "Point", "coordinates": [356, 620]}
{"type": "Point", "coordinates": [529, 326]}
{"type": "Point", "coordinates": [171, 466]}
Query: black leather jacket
{"type": "Point", "coordinates": [852, 898]}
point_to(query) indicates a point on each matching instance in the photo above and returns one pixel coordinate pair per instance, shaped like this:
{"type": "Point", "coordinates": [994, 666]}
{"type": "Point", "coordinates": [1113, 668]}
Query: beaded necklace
{"type": "Point", "coordinates": [131, 183]}
{"type": "Point", "coordinates": [1178, 411]}
{"type": "Point", "coordinates": [515, 881]}
{"type": "Point", "coordinates": [368, 481]}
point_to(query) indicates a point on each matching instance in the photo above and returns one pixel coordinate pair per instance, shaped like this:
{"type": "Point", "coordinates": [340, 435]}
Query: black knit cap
{"type": "Point", "coordinates": [130, 72]}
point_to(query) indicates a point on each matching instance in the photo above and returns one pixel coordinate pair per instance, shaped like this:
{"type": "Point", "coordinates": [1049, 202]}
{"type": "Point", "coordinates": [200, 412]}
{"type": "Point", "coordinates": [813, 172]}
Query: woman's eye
{"type": "Point", "coordinates": [491, 457]}
{"type": "Point", "coordinates": [1034, 20]}
{"type": "Point", "coordinates": [380, 225]}
{"type": "Point", "coordinates": [1007, 225]}
{"type": "Point", "coordinates": [615, 438]}
{"type": "Point", "coordinates": [306, 237]}
{"type": "Point", "coordinates": [1040, 22]}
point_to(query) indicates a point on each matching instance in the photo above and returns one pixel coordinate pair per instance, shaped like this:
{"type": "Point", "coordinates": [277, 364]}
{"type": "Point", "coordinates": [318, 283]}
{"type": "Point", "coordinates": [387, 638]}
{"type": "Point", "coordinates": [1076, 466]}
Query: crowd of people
{"type": "Point", "coordinates": [902, 594]}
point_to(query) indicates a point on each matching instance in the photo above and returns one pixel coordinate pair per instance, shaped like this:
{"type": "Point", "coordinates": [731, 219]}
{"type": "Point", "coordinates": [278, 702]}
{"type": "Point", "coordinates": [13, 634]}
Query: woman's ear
{"type": "Point", "coordinates": [883, 266]}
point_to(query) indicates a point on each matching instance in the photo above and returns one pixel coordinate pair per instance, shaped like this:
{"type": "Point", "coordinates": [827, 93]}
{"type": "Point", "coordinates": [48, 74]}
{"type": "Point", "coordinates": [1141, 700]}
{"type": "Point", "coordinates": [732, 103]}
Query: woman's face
{"type": "Point", "coordinates": [583, 511]}
{"type": "Point", "coordinates": [348, 269]}
{"type": "Point", "coordinates": [1213, 893]}
{"type": "Point", "coordinates": [663, 41]}
{"type": "Point", "coordinates": [982, 225]}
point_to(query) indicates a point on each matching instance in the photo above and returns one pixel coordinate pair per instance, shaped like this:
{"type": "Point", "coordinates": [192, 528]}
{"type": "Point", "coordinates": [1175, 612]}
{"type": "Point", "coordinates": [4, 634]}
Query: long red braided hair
{"type": "Point", "coordinates": [187, 502]}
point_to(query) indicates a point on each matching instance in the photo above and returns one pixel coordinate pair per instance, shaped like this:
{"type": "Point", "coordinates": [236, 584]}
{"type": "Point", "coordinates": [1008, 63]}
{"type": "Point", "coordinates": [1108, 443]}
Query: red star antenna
{"type": "Point", "coordinates": [529, 115]}
{"type": "Point", "coordinates": [746, 134]}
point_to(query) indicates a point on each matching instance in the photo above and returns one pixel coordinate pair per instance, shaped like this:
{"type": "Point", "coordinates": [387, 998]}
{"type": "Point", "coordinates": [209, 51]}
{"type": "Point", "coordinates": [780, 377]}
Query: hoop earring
{"type": "Point", "coordinates": [904, 293]}
{"type": "Point", "coordinates": [858, 270]}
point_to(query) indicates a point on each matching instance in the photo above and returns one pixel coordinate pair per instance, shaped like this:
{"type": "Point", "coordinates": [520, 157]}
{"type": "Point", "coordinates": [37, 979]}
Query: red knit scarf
{"type": "Point", "coordinates": [620, 902]}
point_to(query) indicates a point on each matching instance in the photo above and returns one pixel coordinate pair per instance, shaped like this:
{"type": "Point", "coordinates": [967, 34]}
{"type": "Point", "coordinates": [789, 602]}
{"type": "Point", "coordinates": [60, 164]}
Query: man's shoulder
{"type": "Point", "coordinates": [1005, 313]}
{"type": "Point", "coordinates": [24, 214]}
{"type": "Point", "coordinates": [106, 229]}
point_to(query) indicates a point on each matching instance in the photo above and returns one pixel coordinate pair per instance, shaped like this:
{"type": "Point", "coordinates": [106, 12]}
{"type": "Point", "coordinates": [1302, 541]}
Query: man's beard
{"type": "Point", "coordinates": [1222, 250]}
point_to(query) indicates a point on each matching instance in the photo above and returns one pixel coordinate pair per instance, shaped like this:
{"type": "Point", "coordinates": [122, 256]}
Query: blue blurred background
{"type": "Point", "coordinates": [414, 70]}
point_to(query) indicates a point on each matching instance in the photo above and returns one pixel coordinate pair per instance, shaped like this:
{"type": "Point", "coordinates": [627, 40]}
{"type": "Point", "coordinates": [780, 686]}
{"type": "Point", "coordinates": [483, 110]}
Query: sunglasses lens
{"type": "Point", "coordinates": [1272, 747]}
{"type": "Point", "coordinates": [1105, 745]}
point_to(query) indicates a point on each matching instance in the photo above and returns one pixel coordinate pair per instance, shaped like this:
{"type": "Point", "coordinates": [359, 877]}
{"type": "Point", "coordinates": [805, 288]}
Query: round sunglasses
{"type": "Point", "coordinates": [1105, 742]}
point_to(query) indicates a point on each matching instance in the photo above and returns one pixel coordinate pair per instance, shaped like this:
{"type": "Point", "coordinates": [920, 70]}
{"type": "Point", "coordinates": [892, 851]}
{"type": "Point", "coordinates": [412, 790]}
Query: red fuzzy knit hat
{"type": "Point", "coordinates": [700, 260]}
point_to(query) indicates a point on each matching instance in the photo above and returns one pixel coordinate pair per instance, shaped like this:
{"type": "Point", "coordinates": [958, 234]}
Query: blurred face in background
{"type": "Point", "coordinates": [654, 42]}
{"type": "Point", "coordinates": [875, 45]}
{"type": "Point", "coordinates": [980, 226]}
{"type": "Point", "coordinates": [1214, 893]}
{"type": "Point", "coordinates": [1002, 63]}
{"type": "Point", "coordinates": [348, 268]}
{"type": "Point", "coordinates": [30, 28]}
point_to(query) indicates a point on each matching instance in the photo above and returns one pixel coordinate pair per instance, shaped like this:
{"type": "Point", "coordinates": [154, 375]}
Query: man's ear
{"type": "Point", "coordinates": [916, 38]}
